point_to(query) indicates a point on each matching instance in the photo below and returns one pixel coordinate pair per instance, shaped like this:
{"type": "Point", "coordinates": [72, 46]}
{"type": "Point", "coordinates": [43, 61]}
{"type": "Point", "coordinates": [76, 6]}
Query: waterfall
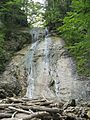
{"type": "Point", "coordinates": [51, 72]}
{"type": "Point", "coordinates": [29, 67]}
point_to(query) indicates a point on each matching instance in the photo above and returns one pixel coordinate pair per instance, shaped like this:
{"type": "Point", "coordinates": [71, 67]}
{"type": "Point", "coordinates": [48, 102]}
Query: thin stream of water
{"type": "Point", "coordinates": [30, 80]}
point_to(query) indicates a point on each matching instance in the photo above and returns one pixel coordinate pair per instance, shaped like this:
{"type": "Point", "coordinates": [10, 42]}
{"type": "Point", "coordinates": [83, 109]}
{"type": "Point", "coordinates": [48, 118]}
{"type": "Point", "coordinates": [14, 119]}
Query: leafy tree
{"type": "Point", "coordinates": [76, 32]}
{"type": "Point", "coordinates": [15, 15]}
{"type": "Point", "coordinates": [11, 18]}
{"type": "Point", "coordinates": [11, 14]}
{"type": "Point", "coordinates": [55, 12]}
{"type": "Point", "coordinates": [72, 20]}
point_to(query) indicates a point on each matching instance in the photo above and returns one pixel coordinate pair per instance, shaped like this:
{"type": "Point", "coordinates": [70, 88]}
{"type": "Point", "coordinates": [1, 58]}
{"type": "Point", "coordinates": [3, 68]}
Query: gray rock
{"type": "Point", "coordinates": [9, 88]}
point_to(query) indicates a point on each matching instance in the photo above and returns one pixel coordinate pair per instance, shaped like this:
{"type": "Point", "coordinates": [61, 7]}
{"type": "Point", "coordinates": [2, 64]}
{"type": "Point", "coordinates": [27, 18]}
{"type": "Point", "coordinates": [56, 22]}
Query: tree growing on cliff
{"type": "Point", "coordinates": [55, 12]}
{"type": "Point", "coordinates": [76, 32]}
{"type": "Point", "coordinates": [71, 18]}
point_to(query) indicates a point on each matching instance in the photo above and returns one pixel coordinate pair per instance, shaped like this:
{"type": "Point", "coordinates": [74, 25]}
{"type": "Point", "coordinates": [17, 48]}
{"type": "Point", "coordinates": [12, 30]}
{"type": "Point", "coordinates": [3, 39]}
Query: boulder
{"type": "Point", "coordinates": [88, 114]}
{"type": "Point", "coordinates": [9, 87]}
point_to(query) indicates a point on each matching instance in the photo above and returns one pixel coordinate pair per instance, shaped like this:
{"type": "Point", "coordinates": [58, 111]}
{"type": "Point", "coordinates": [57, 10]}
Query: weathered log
{"type": "Point", "coordinates": [42, 108]}
{"type": "Point", "coordinates": [36, 115]}
{"type": "Point", "coordinates": [28, 99]}
{"type": "Point", "coordinates": [15, 100]}
{"type": "Point", "coordinates": [46, 103]}
{"type": "Point", "coordinates": [12, 119]}
{"type": "Point", "coordinates": [20, 110]}
{"type": "Point", "coordinates": [34, 101]}
{"type": "Point", "coordinates": [13, 115]}
{"type": "Point", "coordinates": [59, 105]}
{"type": "Point", "coordinates": [7, 105]}
{"type": "Point", "coordinates": [5, 115]}
{"type": "Point", "coordinates": [69, 103]}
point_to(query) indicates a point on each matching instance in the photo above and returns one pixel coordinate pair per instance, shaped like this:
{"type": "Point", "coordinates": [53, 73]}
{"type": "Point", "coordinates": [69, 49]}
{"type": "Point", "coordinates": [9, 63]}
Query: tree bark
{"type": "Point", "coordinates": [20, 110]}
{"type": "Point", "coordinates": [41, 108]}
{"type": "Point", "coordinates": [35, 115]}
{"type": "Point", "coordinates": [5, 115]}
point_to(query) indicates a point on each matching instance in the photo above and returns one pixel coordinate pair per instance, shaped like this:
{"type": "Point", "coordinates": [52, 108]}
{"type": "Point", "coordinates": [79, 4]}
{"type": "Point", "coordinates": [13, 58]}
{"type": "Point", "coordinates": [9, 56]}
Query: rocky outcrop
{"type": "Point", "coordinates": [10, 81]}
{"type": "Point", "coordinates": [10, 87]}
{"type": "Point", "coordinates": [13, 80]}
{"type": "Point", "coordinates": [16, 40]}
{"type": "Point", "coordinates": [45, 69]}
{"type": "Point", "coordinates": [52, 73]}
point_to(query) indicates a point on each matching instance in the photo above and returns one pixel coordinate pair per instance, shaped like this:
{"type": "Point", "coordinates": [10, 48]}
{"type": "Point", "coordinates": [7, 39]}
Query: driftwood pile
{"type": "Point", "coordinates": [41, 109]}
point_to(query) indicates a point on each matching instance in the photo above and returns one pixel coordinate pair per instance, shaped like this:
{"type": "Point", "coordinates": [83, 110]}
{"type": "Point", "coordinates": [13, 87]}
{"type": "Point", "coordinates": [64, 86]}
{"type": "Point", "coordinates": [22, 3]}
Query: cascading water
{"type": "Point", "coordinates": [48, 77]}
{"type": "Point", "coordinates": [29, 67]}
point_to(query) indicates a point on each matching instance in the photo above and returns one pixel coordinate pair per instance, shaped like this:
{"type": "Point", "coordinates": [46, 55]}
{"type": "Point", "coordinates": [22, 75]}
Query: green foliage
{"type": "Point", "coordinates": [11, 14]}
{"type": "Point", "coordinates": [72, 20]}
{"type": "Point", "coordinates": [55, 11]}
{"type": "Point", "coordinates": [76, 32]}
{"type": "Point", "coordinates": [34, 12]}
{"type": "Point", "coordinates": [2, 52]}
{"type": "Point", "coordinates": [11, 18]}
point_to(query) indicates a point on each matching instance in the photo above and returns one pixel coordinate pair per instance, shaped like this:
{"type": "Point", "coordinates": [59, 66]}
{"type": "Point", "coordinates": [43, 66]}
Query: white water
{"type": "Point", "coordinates": [29, 67]}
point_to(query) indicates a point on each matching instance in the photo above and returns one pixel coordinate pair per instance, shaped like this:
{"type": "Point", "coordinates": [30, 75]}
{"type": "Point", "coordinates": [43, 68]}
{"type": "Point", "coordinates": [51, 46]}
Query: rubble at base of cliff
{"type": "Point", "coordinates": [43, 109]}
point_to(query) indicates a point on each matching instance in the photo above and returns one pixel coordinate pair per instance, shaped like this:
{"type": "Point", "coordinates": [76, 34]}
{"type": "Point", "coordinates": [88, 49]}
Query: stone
{"type": "Point", "coordinates": [9, 87]}
{"type": "Point", "coordinates": [71, 116]}
{"type": "Point", "coordinates": [73, 103]}
{"type": "Point", "coordinates": [3, 94]}
{"type": "Point", "coordinates": [88, 114]}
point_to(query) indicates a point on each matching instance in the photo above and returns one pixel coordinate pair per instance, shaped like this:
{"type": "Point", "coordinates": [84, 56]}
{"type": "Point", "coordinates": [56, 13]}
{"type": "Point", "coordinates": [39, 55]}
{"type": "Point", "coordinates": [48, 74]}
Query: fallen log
{"type": "Point", "coordinates": [20, 110]}
{"type": "Point", "coordinates": [7, 105]}
{"type": "Point", "coordinates": [5, 115]}
{"type": "Point", "coordinates": [46, 103]}
{"type": "Point", "coordinates": [42, 108]}
{"type": "Point", "coordinates": [34, 100]}
{"type": "Point", "coordinates": [13, 115]}
{"type": "Point", "coordinates": [15, 100]}
{"type": "Point", "coordinates": [12, 119]}
{"type": "Point", "coordinates": [36, 115]}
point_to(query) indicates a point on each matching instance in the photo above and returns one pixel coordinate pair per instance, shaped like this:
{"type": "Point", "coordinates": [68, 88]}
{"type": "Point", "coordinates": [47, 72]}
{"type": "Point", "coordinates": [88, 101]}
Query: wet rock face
{"type": "Point", "coordinates": [13, 80]}
{"type": "Point", "coordinates": [44, 69]}
{"type": "Point", "coordinates": [51, 72]}
{"type": "Point", "coordinates": [37, 33]}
